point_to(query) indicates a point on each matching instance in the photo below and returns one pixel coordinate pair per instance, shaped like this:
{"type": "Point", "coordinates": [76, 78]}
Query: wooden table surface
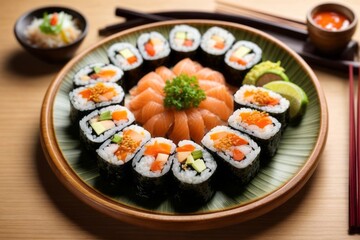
{"type": "Point", "coordinates": [35, 205]}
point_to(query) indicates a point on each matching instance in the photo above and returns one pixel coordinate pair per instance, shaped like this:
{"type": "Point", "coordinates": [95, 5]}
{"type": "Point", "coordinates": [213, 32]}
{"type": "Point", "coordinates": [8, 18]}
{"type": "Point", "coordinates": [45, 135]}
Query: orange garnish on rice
{"type": "Point", "coordinates": [98, 93]}
{"type": "Point", "coordinates": [260, 97]}
{"type": "Point", "coordinates": [260, 119]}
{"type": "Point", "coordinates": [128, 144]}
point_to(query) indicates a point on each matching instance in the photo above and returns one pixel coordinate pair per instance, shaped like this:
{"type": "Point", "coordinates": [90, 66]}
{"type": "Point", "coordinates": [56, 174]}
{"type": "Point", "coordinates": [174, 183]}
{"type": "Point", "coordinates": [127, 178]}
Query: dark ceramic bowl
{"type": "Point", "coordinates": [58, 54]}
{"type": "Point", "coordinates": [327, 41]}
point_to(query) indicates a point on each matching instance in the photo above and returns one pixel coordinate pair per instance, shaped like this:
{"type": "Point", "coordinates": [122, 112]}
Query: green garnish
{"type": "Point", "coordinates": [197, 154]}
{"type": "Point", "coordinates": [48, 28]}
{"type": "Point", "coordinates": [183, 92]}
{"type": "Point", "coordinates": [116, 138]}
{"type": "Point", "coordinates": [105, 116]}
{"type": "Point", "coordinates": [97, 69]}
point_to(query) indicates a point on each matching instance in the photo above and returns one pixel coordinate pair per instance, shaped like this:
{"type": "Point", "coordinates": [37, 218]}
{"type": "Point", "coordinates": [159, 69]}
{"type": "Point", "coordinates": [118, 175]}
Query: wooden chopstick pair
{"type": "Point", "coordinates": [234, 7]}
{"type": "Point", "coordinates": [354, 156]}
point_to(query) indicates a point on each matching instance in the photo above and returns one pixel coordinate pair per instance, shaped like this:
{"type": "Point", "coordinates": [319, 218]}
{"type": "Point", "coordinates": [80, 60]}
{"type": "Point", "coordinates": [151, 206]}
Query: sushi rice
{"type": "Point", "coordinates": [240, 99]}
{"type": "Point", "coordinates": [250, 150]}
{"type": "Point", "coordinates": [87, 132]}
{"type": "Point", "coordinates": [143, 162]}
{"type": "Point", "coordinates": [189, 175]}
{"type": "Point", "coordinates": [83, 76]}
{"type": "Point", "coordinates": [207, 43]}
{"type": "Point", "coordinates": [266, 132]}
{"type": "Point", "coordinates": [159, 53]}
{"type": "Point", "coordinates": [108, 148]}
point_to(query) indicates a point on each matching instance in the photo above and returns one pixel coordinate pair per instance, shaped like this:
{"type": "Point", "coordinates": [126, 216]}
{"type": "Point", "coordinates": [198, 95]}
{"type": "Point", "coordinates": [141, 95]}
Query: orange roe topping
{"type": "Point", "coordinates": [332, 21]}
{"type": "Point", "coordinates": [260, 119]}
{"type": "Point", "coordinates": [260, 97]}
{"type": "Point", "coordinates": [126, 145]}
{"type": "Point", "coordinates": [225, 140]}
{"type": "Point", "coordinates": [98, 93]}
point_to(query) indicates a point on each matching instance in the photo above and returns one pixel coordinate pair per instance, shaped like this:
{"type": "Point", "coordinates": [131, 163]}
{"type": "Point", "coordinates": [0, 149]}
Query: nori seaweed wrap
{"type": "Point", "coordinates": [115, 155]}
{"type": "Point", "coordinates": [263, 100]}
{"type": "Point", "coordinates": [236, 153]}
{"type": "Point", "coordinates": [152, 169]}
{"type": "Point", "coordinates": [240, 59]}
{"type": "Point", "coordinates": [194, 171]}
{"type": "Point", "coordinates": [101, 124]}
{"type": "Point", "coordinates": [86, 99]}
{"type": "Point", "coordinates": [262, 128]}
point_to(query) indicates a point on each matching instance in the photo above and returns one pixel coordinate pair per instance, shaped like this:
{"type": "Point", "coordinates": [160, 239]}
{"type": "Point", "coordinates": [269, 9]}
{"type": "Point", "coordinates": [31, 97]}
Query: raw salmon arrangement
{"type": "Point", "coordinates": [147, 103]}
{"type": "Point", "coordinates": [162, 121]}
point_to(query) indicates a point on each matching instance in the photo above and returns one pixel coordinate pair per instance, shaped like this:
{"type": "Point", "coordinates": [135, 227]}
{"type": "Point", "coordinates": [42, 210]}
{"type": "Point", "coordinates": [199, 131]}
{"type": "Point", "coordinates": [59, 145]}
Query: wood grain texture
{"type": "Point", "coordinates": [35, 205]}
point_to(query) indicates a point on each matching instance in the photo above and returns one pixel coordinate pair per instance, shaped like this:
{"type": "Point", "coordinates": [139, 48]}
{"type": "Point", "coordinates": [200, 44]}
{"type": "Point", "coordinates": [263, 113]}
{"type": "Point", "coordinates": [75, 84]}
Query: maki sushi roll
{"type": "Point", "coordinates": [152, 168]}
{"type": "Point", "coordinates": [214, 44]}
{"type": "Point", "coordinates": [194, 170]}
{"type": "Point", "coordinates": [184, 42]}
{"type": "Point", "coordinates": [98, 72]}
{"type": "Point", "coordinates": [240, 59]}
{"type": "Point", "coordinates": [154, 49]}
{"type": "Point", "coordinates": [115, 155]}
{"type": "Point", "coordinates": [264, 129]}
{"type": "Point", "coordinates": [127, 58]}
{"type": "Point", "coordinates": [263, 100]}
{"type": "Point", "coordinates": [86, 99]}
{"type": "Point", "coordinates": [236, 153]}
{"type": "Point", "coordinates": [101, 124]}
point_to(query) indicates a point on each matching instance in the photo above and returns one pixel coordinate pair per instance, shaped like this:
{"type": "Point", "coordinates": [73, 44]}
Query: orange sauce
{"type": "Point", "coordinates": [332, 21]}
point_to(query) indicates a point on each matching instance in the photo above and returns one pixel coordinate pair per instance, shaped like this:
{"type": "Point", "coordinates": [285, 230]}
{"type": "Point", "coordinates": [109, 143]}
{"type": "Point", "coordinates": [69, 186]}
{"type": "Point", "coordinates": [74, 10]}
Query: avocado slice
{"type": "Point", "coordinates": [189, 160]}
{"type": "Point", "coordinates": [180, 35]}
{"type": "Point", "coordinates": [241, 52]}
{"type": "Point", "coordinates": [102, 126]}
{"type": "Point", "coordinates": [116, 138]}
{"type": "Point", "coordinates": [97, 69]}
{"type": "Point", "coordinates": [126, 53]}
{"type": "Point", "coordinates": [105, 116]}
{"type": "Point", "coordinates": [199, 165]}
{"type": "Point", "coordinates": [197, 154]}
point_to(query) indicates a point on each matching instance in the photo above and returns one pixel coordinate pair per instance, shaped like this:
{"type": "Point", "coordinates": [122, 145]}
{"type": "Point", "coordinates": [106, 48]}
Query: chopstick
{"type": "Point", "coordinates": [135, 18]}
{"type": "Point", "coordinates": [354, 157]}
{"type": "Point", "coordinates": [234, 8]}
{"type": "Point", "coordinates": [161, 16]}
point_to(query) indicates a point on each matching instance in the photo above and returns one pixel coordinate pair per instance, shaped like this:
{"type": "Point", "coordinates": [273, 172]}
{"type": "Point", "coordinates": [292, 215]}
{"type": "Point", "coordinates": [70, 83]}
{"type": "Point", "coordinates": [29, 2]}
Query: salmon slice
{"type": "Point", "coordinates": [144, 97]}
{"type": "Point", "coordinates": [150, 109]}
{"type": "Point", "coordinates": [158, 125]}
{"type": "Point", "coordinates": [210, 119]}
{"type": "Point", "coordinates": [137, 114]}
{"type": "Point", "coordinates": [207, 84]}
{"type": "Point", "coordinates": [144, 84]}
{"type": "Point", "coordinates": [209, 74]}
{"type": "Point", "coordinates": [196, 125]}
{"type": "Point", "coordinates": [217, 107]}
{"type": "Point", "coordinates": [222, 94]}
{"type": "Point", "coordinates": [198, 66]}
{"type": "Point", "coordinates": [185, 66]}
{"type": "Point", "coordinates": [180, 129]}
{"type": "Point", "coordinates": [165, 73]}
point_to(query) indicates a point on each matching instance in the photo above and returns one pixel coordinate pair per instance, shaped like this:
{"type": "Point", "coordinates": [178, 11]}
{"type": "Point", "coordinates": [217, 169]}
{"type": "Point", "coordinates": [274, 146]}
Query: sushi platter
{"type": "Point", "coordinates": [134, 148]}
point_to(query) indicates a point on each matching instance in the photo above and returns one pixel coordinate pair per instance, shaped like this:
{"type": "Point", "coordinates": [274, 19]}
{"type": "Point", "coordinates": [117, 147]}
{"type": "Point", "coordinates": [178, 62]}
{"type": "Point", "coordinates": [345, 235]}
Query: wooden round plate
{"type": "Point", "coordinates": [286, 174]}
